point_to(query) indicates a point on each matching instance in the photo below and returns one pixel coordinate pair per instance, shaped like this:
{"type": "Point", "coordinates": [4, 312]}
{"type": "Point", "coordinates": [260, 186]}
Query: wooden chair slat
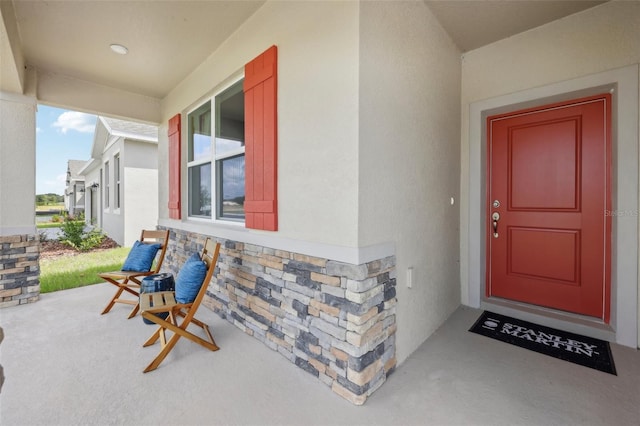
{"type": "Point", "coordinates": [170, 298]}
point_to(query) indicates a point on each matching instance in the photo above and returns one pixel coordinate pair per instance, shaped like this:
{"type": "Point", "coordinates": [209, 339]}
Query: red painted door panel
{"type": "Point", "coordinates": [549, 184]}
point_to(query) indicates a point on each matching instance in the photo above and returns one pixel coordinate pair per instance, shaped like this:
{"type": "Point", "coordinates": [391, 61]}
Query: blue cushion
{"type": "Point", "coordinates": [141, 257]}
{"type": "Point", "coordinates": [190, 279]}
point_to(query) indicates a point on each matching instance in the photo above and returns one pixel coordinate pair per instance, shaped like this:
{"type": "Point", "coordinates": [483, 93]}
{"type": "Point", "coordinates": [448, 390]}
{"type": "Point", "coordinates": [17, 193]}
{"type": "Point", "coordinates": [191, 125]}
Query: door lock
{"type": "Point", "coordinates": [495, 217]}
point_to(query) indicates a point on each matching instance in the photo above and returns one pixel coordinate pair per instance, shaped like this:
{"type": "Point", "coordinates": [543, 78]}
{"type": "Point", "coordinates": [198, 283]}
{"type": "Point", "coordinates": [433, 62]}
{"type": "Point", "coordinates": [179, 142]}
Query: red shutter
{"type": "Point", "coordinates": [174, 167]}
{"type": "Point", "coordinates": [261, 135]}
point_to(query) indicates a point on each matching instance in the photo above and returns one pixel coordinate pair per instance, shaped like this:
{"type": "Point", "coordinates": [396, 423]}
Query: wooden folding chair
{"type": "Point", "coordinates": [129, 281]}
{"type": "Point", "coordinates": [164, 301]}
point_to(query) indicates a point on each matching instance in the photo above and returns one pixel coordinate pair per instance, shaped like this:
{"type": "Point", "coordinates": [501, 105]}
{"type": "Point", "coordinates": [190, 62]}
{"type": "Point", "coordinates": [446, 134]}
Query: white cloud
{"type": "Point", "coordinates": [38, 130]}
{"type": "Point", "coordinates": [60, 179]}
{"type": "Point", "coordinates": [78, 121]}
{"type": "Point", "coordinates": [56, 185]}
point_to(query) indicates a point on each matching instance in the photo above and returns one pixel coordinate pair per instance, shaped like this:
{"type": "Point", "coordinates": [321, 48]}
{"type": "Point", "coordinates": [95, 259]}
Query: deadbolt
{"type": "Point", "coordinates": [496, 204]}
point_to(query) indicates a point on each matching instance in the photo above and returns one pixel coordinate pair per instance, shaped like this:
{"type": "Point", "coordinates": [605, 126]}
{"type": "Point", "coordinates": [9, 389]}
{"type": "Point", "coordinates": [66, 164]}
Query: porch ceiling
{"type": "Point", "coordinates": [473, 23]}
{"type": "Point", "coordinates": [168, 39]}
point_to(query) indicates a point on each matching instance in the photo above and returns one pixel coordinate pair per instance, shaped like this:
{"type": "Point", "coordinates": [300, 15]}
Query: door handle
{"type": "Point", "coordinates": [496, 217]}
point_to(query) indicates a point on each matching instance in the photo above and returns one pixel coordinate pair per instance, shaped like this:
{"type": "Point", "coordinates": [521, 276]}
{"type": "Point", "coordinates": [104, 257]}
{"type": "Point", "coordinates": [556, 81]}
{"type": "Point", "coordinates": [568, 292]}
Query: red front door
{"type": "Point", "coordinates": [548, 204]}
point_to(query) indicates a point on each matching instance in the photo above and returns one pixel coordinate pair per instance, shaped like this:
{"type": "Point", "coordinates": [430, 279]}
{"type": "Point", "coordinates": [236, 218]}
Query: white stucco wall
{"type": "Point", "coordinates": [409, 158]}
{"type": "Point", "coordinates": [140, 154]}
{"type": "Point", "coordinates": [368, 141]}
{"type": "Point", "coordinates": [17, 164]}
{"type": "Point", "coordinates": [318, 116]}
{"type": "Point", "coordinates": [140, 189]}
{"type": "Point", "coordinates": [140, 202]}
{"type": "Point", "coordinates": [594, 41]}
{"type": "Point", "coordinates": [112, 218]}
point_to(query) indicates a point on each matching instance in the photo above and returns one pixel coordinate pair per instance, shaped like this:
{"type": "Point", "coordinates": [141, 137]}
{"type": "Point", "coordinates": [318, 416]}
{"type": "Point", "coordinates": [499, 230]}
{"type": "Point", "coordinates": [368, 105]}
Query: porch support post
{"type": "Point", "coordinates": [20, 248]}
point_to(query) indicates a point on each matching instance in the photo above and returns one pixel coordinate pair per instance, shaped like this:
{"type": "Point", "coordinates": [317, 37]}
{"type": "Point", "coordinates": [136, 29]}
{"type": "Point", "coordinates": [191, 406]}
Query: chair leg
{"type": "Point", "coordinates": [163, 354]}
{"type": "Point", "coordinates": [134, 311]}
{"type": "Point", "coordinates": [163, 338]}
{"type": "Point", "coordinates": [205, 328]}
{"type": "Point", "coordinates": [153, 338]}
{"type": "Point", "coordinates": [159, 333]}
{"type": "Point", "coordinates": [177, 333]}
{"type": "Point", "coordinates": [112, 301]}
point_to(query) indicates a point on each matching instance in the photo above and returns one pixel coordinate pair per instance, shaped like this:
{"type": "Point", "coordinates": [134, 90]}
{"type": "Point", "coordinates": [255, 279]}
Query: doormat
{"type": "Point", "coordinates": [586, 351]}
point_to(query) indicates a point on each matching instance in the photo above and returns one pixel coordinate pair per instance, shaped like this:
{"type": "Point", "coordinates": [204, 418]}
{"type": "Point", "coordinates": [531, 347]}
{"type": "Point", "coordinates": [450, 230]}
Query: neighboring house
{"type": "Point", "coordinates": [122, 179]}
{"type": "Point", "coordinates": [74, 192]}
{"type": "Point", "coordinates": [339, 151]}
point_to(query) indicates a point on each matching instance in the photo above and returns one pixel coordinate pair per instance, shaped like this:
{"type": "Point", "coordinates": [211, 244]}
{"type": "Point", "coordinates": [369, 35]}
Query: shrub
{"type": "Point", "coordinates": [92, 239]}
{"type": "Point", "coordinates": [56, 218]}
{"type": "Point", "coordinates": [73, 234]}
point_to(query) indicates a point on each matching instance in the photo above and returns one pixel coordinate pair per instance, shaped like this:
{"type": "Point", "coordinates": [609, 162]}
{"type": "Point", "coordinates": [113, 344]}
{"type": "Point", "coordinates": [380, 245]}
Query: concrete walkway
{"type": "Point", "coordinates": [65, 364]}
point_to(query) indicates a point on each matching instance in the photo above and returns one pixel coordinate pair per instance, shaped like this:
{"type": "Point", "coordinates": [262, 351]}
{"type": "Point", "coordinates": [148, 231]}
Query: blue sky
{"type": "Point", "coordinates": [61, 135]}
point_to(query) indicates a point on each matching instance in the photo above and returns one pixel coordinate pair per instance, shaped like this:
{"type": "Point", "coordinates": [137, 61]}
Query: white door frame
{"type": "Point", "coordinates": [623, 82]}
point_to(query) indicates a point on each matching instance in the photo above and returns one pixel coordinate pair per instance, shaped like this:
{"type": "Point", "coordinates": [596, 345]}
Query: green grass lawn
{"type": "Point", "coordinates": [42, 225]}
{"type": "Point", "coordinates": [66, 272]}
{"type": "Point", "coordinates": [50, 207]}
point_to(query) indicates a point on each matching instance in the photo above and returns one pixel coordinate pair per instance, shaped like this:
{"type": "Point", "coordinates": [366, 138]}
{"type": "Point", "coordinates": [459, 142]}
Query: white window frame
{"type": "Point", "coordinates": [117, 177]}
{"type": "Point", "coordinates": [107, 177]}
{"type": "Point", "coordinates": [197, 163]}
{"type": "Point", "coordinates": [215, 204]}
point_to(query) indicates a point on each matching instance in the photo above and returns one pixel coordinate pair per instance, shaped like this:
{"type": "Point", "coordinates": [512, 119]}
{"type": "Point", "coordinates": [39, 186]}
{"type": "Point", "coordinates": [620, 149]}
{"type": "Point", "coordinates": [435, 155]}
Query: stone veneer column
{"type": "Point", "coordinates": [19, 270]}
{"type": "Point", "coordinates": [334, 320]}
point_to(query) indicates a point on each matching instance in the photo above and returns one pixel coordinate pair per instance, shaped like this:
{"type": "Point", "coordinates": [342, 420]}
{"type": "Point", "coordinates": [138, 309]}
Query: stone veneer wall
{"type": "Point", "coordinates": [19, 270]}
{"type": "Point", "coordinates": [334, 320]}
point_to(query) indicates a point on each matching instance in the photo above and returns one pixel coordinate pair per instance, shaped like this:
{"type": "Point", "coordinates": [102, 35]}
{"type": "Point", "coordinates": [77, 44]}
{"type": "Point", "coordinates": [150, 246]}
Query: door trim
{"type": "Point", "coordinates": [624, 274]}
{"type": "Point", "coordinates": [604, 205]}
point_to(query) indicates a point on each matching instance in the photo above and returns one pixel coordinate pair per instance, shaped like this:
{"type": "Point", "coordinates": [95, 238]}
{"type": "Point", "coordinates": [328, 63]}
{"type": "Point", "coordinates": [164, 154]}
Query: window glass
{"type": "Point", "coordinates": [200, 133]}
{"type": "Point", "coordinates": [200, 190]}
{"type": "Point", "coordinates": [230, 120]}
{"type": "Point", "coordinates": [231, 187]}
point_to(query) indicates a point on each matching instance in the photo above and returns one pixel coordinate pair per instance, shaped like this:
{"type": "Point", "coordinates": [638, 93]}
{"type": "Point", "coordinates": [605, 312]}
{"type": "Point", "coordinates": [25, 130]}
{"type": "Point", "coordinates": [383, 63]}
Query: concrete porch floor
{"type": "Point", "coordinates": [65, 364]}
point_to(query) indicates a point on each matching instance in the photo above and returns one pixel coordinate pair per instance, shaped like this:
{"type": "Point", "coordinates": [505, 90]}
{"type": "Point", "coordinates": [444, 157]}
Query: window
{"type": "Point", "coordinates": [199, 161]}
{"type": "Point", "coordinates": [220, 155]}
{"type": "Point", "coordinates": [116, 176]}
{"type": "Point", "coordinates": [229, 152]}
{"type": "Point", "coordinates": [106, 184]}
{"type": "Point", "coordinates": [216, 166]}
